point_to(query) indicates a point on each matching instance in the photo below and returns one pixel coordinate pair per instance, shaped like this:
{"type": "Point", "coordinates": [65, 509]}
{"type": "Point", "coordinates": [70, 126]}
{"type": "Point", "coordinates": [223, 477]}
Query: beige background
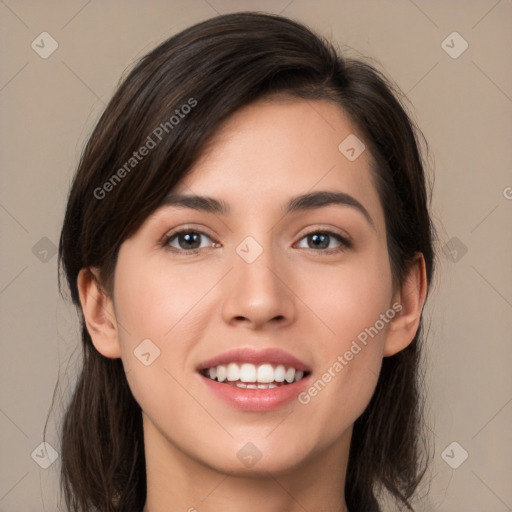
{"type": "Point", "coordinates": [463, 106]}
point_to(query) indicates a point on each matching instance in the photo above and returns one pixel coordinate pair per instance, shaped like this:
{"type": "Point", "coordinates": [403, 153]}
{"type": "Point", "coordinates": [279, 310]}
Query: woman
{"type": "Point", "coordinates": [248, 242]}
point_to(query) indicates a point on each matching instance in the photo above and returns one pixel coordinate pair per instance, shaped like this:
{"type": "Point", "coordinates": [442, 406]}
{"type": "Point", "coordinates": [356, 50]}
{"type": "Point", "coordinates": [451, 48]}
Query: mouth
{"type": "Point", "coordinates": [251, 376]}
{"type": "Point", "coordinates": [255, 380]}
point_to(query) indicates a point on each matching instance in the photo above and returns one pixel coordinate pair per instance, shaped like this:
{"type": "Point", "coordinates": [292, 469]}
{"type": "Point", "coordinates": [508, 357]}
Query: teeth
{"type": "Point", "coordinates": [221, 373]}
{"type": "Point", "coordinates": [256, 386]}
{"type": "Point", "coordinates": [279, 373]}
{"type": "Point", "coordinates": [290, 375]}
{"type": "Point", "coordinates": [248, 373]}
{"type": "Point", "coordinates": [250, 376]}
{"type": "Point", "coordinates": [233, 373]}
{"type": "Point", "coordinates": [265, 373]}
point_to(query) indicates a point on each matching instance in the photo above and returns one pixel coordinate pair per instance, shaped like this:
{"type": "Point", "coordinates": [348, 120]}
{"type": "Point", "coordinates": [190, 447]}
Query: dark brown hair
{"type": "Point", "coordinates": [216, 67]}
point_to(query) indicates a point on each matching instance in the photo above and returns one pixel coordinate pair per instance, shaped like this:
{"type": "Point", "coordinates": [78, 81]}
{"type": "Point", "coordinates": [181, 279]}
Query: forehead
{"type": "Point", "coordinates": [274, 149]}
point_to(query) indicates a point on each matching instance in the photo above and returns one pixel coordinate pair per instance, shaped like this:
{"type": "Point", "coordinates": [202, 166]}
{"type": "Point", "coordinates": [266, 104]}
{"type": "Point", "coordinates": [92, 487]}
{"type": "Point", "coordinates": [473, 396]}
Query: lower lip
{"type": "Point", "coordinates": [259, 400]}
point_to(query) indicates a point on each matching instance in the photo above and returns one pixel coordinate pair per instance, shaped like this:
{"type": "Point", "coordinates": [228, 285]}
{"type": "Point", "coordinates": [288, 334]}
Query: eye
{"type": "Point", "coordinates": [322, 240]}
{"type": "Point", "coordinates": [190, 241]}
{"type": "Point", "coordinates": [187, 240]}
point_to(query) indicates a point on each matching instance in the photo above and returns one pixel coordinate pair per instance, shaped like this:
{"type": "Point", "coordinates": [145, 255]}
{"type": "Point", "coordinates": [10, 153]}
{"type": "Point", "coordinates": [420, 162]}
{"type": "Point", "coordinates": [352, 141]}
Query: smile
{"type": "Point", "coordinates": [255, 380]}
{"type": "Point", "coordinates": [251, 376]}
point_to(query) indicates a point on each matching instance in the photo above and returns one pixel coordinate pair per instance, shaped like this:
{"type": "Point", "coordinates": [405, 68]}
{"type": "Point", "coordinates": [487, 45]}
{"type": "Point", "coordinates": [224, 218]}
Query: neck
{"type": "Point", "coordinates": [177, 482]}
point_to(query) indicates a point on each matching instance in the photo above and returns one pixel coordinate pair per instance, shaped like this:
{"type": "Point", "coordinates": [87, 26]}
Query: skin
{"type": "Point", "coordinates": [293, 296]}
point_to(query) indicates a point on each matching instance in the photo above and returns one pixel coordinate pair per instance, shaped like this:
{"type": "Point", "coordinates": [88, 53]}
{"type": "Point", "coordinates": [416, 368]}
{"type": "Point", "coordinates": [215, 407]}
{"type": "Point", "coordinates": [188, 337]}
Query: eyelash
{"type": "Point", "coordinates": [344, 242]}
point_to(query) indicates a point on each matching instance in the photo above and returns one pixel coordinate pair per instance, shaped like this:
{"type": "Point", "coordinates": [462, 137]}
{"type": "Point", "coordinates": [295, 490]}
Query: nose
{"type": "Point", "coordinates": [258, 292]}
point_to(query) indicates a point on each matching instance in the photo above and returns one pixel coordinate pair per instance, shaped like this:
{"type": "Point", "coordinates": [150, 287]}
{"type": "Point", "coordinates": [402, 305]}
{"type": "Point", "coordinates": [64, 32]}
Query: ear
{"type": "Point", "coordinates": [99, 314]}
{"type": "Point", "coordinates": [411, 297]}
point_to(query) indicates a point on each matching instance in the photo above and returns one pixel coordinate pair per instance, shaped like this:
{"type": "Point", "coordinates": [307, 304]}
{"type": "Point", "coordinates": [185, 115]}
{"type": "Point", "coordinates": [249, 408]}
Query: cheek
{"type": "Point", "coordinates": [348, 298]}
{"type": "Point", "coordinates": [152, 306]}
{"type": "Point", "coordinates": [348, 369]}
{"type": "Point", "coordinates": [351, 303]}
{"type": "Point", "coordinates": [161, 311]}
{"type": "Point", "coordinates": [151, 300]}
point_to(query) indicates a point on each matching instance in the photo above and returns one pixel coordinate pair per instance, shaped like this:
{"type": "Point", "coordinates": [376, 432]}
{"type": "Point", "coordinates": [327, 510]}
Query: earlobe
{"type": "Point", "coordinates": [411, 296]}
{"type": "Point", "coordinates": [99, 315]}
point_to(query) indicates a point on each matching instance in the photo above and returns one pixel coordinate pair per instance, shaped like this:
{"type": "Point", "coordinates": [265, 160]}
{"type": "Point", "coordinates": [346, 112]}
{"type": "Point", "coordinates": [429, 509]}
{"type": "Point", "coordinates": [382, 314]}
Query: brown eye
{"type": "Point", "coordinates": [186, 240]}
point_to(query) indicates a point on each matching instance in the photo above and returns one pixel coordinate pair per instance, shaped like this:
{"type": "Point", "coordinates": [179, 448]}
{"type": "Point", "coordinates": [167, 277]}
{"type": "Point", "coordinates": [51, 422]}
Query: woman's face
{"type": "Point", "coordinates": [270, 287]}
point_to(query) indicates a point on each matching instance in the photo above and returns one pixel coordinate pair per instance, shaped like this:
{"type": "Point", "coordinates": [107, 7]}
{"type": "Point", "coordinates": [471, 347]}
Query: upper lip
{"type": "Point", "coordinates": [257, 357]}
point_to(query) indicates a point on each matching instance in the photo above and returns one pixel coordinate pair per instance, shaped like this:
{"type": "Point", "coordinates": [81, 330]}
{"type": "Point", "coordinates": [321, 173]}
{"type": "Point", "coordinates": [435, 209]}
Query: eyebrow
{"type": "Point", "coordinates": [304, 202]}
